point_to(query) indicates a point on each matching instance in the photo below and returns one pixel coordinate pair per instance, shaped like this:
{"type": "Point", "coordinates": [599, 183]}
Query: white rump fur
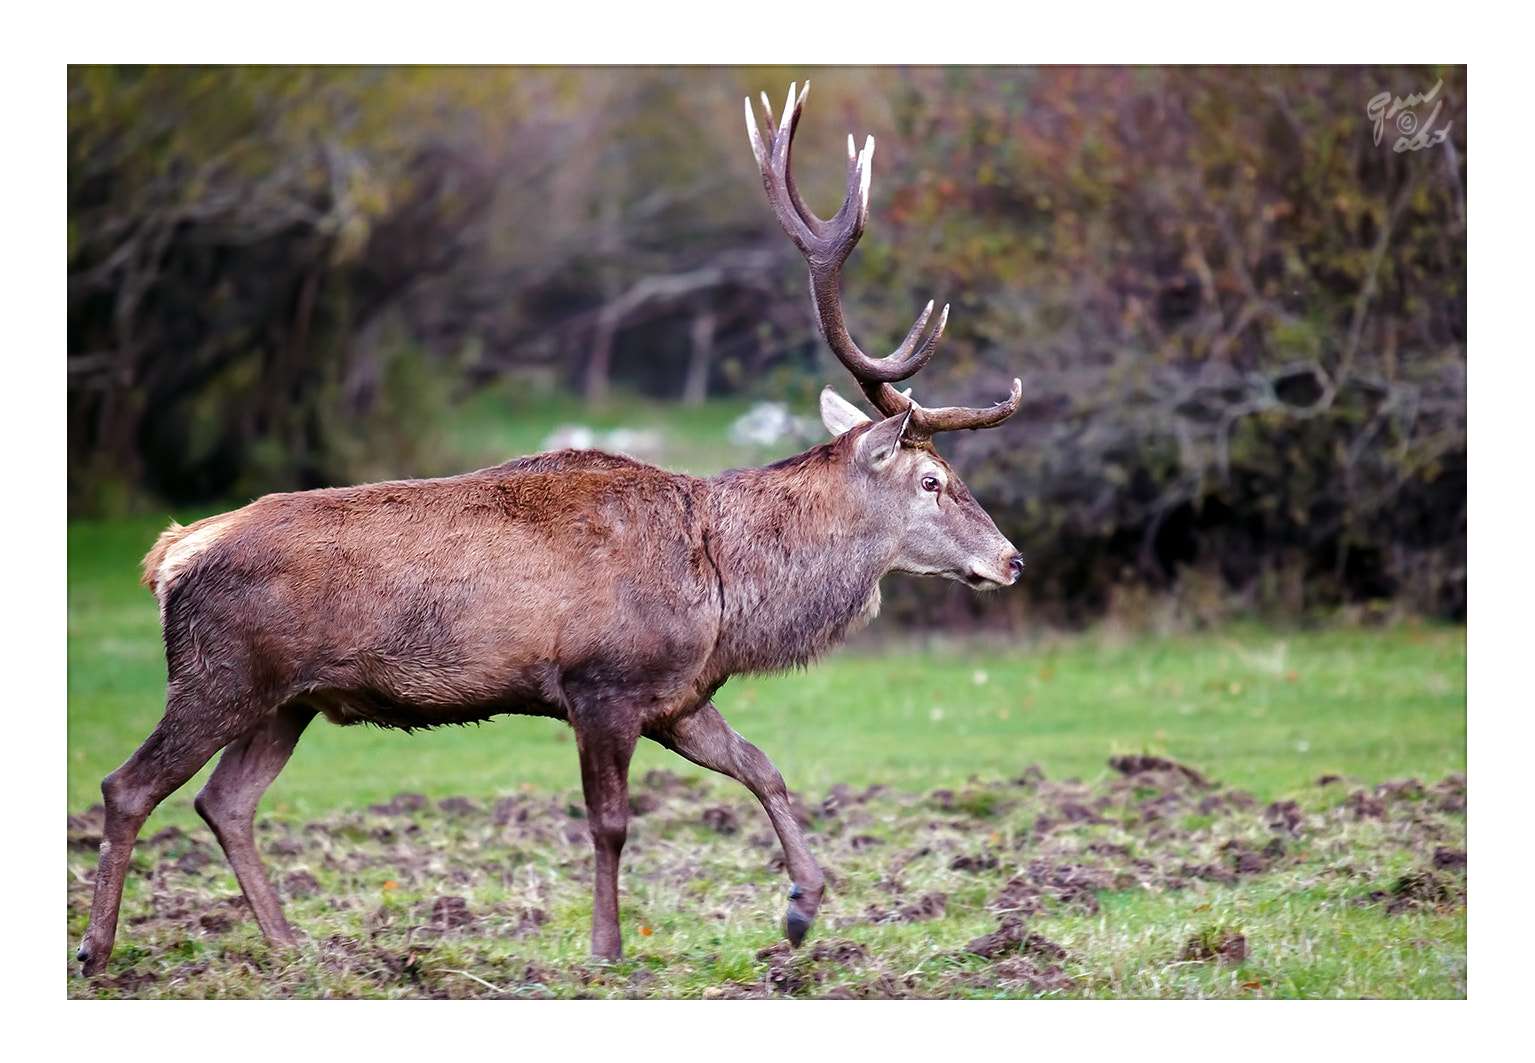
{"type": "Point", "coordinates": [180, 548]}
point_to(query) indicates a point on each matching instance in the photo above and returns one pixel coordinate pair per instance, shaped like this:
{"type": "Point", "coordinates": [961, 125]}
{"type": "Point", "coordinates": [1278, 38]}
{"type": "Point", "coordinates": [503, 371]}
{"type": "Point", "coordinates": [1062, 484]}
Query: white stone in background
{"type": "Point", "coordinates": [767, 423]}
{"type": "Point", "coordinates": [577, 436]}
{"type": "Point", "coordinates": [635, 442]}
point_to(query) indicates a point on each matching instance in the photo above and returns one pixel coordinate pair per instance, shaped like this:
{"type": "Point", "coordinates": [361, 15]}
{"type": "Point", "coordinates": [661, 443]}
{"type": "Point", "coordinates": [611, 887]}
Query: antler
{"type": "Point", "coordinates": [826, 246]}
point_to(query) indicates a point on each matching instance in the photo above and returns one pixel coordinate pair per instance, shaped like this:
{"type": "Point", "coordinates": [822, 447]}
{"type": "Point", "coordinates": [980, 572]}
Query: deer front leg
{"type": "Point", "coordinates": [605, 752]}
{"type": "Point", "coordinates": [708, 741]}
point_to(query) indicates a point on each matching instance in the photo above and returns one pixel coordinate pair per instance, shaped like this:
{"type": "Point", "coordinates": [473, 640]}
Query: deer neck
{"type": "Point", "coordinates": [799, 561]}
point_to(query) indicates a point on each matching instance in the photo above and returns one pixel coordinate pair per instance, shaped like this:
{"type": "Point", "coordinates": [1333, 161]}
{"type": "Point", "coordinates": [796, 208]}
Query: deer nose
{"type": "Point", "coordinates": [1015, 565]}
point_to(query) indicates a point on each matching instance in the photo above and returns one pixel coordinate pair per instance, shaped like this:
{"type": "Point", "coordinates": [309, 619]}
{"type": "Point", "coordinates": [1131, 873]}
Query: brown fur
{"type": "Point", "coordinates": [578, 585]}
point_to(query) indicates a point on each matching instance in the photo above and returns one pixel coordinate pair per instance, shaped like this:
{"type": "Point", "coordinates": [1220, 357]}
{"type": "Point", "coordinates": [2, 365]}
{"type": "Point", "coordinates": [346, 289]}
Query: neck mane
{"type": "Point", "coordinates": [799, 561]}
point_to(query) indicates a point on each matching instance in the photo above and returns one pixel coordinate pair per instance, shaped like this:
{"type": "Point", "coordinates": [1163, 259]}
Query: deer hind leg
{"type": "Point", "coordinates": [605, 752]}
{"type": "Point", "coordinates": [184, 740]}
{"type": "Point", "coordinates": [708, 741]}
{"type": "Point", "coordinates": [228, 803]}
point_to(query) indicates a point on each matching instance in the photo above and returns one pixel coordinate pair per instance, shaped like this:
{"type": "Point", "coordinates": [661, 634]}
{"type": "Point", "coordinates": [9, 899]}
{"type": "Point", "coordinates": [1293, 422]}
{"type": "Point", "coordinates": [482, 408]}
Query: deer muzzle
{"type": "Point", "coordinates": [988, 577]}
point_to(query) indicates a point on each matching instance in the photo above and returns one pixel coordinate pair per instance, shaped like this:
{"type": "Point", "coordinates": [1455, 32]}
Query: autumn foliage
{"type": "Point", "coordinates": [1238, 314]}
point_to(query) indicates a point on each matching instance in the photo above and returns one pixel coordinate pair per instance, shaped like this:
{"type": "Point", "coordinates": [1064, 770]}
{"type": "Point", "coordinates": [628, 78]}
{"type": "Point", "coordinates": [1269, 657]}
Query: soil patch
{"type": "Point", "coordinates": [478, 896]}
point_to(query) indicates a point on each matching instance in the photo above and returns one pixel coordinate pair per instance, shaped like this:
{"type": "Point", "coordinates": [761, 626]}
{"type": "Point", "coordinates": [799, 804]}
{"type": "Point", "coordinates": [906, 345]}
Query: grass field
{"type": "Point", "coordinates": [1336, 890]}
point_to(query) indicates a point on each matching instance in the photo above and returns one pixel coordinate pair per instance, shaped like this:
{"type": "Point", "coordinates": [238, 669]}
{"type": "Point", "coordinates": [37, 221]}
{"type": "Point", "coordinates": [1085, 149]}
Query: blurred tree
{"type": "Point", "coordinates": [263, 262]}
{"type": "Point", "coordinates": [230, 231]}
{"type": "Point", "coordinates": [1240, 318]}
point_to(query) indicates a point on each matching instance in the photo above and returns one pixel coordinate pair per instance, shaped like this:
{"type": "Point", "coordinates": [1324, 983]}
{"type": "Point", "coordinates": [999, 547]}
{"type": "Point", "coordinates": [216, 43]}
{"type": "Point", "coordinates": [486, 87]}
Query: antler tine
{"type": "Point", "coordinates": [924, 422]}
{"type": "Point", "coordinates": [826, 245]}
{"type": "Point", "coordinates": [783, 147]}
{"type": "Point", "coordinates": [886, 399]}
{"type": "Point", "coordinates": [801, 224]}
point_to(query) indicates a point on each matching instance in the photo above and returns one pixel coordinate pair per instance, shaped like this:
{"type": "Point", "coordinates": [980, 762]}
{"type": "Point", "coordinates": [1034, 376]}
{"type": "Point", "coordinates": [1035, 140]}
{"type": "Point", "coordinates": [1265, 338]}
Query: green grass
{"type": "Point", "coordinates": [1264, 711]}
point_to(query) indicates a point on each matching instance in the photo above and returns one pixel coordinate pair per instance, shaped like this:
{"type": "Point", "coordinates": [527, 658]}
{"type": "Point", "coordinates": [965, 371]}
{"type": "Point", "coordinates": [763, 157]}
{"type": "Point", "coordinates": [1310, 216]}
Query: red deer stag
{"type": "Point", "coordinates": [577, 585]}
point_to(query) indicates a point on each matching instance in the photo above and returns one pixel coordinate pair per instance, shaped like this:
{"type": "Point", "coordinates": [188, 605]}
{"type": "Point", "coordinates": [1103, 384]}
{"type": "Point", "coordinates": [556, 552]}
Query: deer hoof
{"type": "Point", "coordinates": [795, 927]}
{"type": "Point", "coordinates": [89, 964]}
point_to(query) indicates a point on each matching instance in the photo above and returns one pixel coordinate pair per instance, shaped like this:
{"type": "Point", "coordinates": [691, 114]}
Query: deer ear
{"type": "Point", "coordinates": [880, 444]}
{"type": "Point", "coordinates": [837, 414]}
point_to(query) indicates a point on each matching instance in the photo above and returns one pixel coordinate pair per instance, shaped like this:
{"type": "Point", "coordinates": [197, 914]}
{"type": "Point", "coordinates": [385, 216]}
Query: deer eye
{"type": "Point", "coordinates": [930, 483]}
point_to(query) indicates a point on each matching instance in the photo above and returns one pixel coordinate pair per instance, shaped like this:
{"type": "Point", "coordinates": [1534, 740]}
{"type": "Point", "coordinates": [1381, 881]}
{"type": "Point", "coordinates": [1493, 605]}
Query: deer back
{"type": "Point", "coordinates": [411, 603]}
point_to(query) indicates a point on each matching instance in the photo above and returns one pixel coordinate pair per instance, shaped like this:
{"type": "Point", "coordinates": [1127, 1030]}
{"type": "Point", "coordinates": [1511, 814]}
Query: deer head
{"type": "Point", "coordinates": [899, 448]}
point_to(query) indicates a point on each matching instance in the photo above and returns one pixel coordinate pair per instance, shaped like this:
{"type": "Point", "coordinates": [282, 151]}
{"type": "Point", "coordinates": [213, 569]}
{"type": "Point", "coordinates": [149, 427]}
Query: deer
{"type": "Point", "coordinates": [579, 585]}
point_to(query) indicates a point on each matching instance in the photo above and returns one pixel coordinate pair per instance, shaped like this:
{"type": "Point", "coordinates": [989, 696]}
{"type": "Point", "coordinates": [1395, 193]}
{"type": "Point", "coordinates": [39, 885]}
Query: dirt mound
{"type": "Point", "coordinates": [1141, 764]}
{"type": "Point", "coordinates": [1229, 947]}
